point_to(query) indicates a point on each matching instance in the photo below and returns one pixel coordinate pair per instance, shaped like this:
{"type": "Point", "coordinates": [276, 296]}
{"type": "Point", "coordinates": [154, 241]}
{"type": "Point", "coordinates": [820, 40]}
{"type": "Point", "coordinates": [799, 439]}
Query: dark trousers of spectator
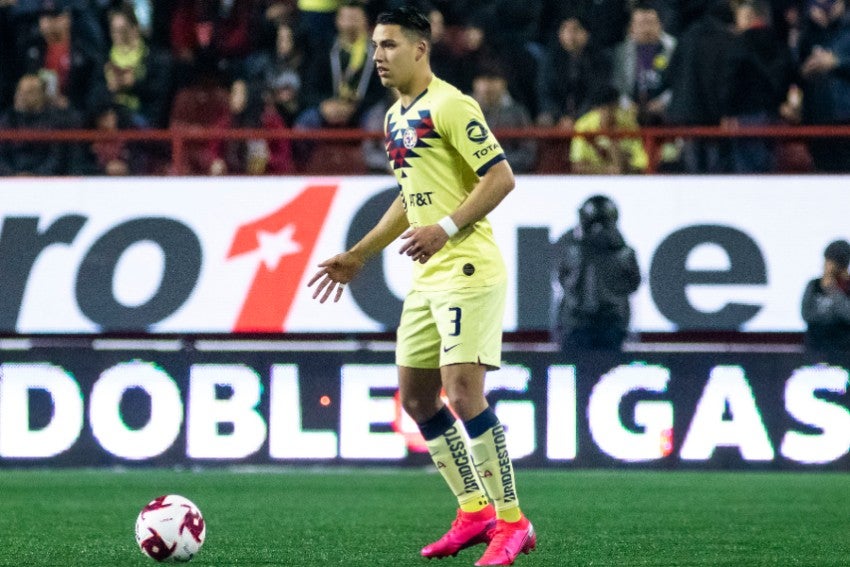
{"type": "Point", "coordinates": [830, 155]}
{"type": "Point", "coordinates": [753, 155]}
{"type": "Point", "coordinates": [594, 338]}
{"type": "Point", "coordinates": [705, 156]}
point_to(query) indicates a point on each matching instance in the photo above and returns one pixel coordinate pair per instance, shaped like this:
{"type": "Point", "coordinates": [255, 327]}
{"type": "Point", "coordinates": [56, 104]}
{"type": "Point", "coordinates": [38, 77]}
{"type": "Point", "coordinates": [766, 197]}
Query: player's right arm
{"type": "Point", "coordinates": [340, 269]}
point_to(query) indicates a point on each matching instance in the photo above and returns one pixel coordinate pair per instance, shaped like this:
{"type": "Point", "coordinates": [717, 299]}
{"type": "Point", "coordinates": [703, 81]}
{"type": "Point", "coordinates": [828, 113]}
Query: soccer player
{"type": "Point", "coordinates": [451, 172]}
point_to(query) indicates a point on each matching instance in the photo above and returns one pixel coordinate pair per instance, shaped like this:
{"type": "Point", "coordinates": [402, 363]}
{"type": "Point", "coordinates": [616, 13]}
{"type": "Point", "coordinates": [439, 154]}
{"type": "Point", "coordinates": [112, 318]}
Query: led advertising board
{"type": "Point", "coordinates": [195, 255]}
{"type": "Point", "coordinates": [90, 407]}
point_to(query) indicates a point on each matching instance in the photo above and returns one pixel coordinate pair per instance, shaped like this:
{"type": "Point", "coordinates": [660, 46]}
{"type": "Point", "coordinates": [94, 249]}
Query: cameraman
{"type": "Point", "coordinates": [597, 272]}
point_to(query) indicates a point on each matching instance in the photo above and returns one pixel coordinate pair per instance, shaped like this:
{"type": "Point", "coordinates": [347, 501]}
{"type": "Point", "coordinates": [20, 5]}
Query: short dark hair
{"type": "Point", "coordinates": [646, 6]}
{"type": "Point", "coordinates": [410, 19]}
{"type": "Point", "coordinates": [839, 252]}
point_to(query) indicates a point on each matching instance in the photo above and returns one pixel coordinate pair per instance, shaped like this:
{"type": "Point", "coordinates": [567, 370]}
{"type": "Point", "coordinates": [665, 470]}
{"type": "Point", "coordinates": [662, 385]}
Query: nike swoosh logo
{"type": "Point", "coordinates": [447, 349]}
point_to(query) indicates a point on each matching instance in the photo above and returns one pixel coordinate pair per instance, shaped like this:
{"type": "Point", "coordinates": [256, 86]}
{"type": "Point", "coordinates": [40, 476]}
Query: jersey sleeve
{"type": "Point", "coordinates": [462, 123]}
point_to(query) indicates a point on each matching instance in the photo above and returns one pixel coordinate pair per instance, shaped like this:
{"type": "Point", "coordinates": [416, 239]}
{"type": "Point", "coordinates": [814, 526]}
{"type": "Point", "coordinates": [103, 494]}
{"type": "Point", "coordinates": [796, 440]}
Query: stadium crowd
{"type": "Point", "coordinates": [575, 65]}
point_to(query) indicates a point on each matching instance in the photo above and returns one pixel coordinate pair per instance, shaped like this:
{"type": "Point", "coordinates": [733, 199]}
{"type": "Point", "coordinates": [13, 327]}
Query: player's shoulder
{"type": "Point", "coordinates": [449, 105]}
{"type": "Point", "coordinates": [446, 94]}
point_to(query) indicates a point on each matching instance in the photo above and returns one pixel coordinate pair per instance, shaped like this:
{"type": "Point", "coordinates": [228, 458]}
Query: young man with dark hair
{"type": "Point", "coordinates": [451, 172]}
{"type": "Point", "coordinates": [826, 303]}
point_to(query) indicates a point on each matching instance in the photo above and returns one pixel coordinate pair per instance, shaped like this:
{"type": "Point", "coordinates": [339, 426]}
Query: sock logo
{"type": "Point", "coordinates": [457, 447]}
{"type": "Point", "coordinates": [505, 469]}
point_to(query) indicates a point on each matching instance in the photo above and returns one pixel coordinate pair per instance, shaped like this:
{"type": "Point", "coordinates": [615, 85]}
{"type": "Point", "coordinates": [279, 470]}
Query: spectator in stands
{"type": "Point", "coordinates": [825, 70]}
{"type": "Point", "coordinates": [518, 64]}
{"type": "Point", "coordinates": [31, 110]}
{"type": "Point", "coordinates": [571, 69]}
{"type": "Point", "coordinates": [692, 76]}
{"type": "Point", "coordinates": [288, 57]}
{"type": "Point", "coordinates": [597, 272]}
{"type": "Point", "coordinates": [605, 20]}
{"type": "Point", "coordinates": [490, 90]}
{"type": "Point", "coordinates": [267, 17]}
{"type": "Point", "coordinates": [71, 66]}
{"type": "Point", "coordinates": [599, 153]}
{"type": "Point", "coordinates": [114, 157]}
{"type": "Point", "coordinates": [638, 64]}
{"type": "Point", "coordinates": [249, 108]}
{"type": "Point", "coordinates": [160, 33]}
{"type": "Point", "coordinates": [211, 29]}
{"type": "Point", "coordinates": [8, 61]}
{"type": "Point", "coordinates": [143, 12]}
{"type": "Point", "coordinates": [319, 17]}
{"type": "Point", "coordinates": [792, 26]}
{"type": "Point", "coordinates": [507, 22]}
{"type": "Point", "coordinates": [375, 149]}
{"type": "Point", "coordinates": [754, 84]}
{"type": "Point", "coordinates": [826, 303]}
{"type": "Point", "coordinates": [138, 75]}
{"type": "Point", "coordinates": [339, 87]}
{"type": "Point", "coordinates": [444, 61]}
{"type": "Point", "coordinates": [285, 93]}
{"type": "Point", "coordinates": [204, 102]}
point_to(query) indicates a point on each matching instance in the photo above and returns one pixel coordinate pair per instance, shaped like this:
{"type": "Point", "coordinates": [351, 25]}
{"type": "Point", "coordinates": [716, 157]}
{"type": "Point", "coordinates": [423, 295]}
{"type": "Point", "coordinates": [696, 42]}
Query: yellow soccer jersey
{"type": "Point", "coordinates": [439, 146]}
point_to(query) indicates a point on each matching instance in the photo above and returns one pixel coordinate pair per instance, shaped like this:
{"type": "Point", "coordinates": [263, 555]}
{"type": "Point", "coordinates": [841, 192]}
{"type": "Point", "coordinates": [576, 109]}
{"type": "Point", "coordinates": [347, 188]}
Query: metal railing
{"type": "Point", "coordinates": [555, 141]}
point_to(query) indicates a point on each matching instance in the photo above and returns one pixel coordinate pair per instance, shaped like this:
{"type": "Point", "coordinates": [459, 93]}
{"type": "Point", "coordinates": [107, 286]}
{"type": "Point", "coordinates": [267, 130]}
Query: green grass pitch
{"type": "Point", "coordinates": [378, 517]}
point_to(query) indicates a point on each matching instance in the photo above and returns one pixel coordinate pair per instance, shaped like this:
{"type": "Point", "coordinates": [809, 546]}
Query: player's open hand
{"type": "Point", "coordinates": [423, 242]}
{"type": "Point", "coordinates": [333, 274]}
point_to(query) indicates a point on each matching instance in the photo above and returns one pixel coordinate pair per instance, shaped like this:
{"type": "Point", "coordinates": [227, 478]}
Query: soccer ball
{"type": "Point", "coordinates": [170, 528]}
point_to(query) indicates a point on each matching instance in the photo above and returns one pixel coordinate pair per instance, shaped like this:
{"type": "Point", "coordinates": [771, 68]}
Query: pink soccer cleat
{"type": "Point", "coordinates": [507, 541]}
{"type": "Point", "coordinates": [468, 529]}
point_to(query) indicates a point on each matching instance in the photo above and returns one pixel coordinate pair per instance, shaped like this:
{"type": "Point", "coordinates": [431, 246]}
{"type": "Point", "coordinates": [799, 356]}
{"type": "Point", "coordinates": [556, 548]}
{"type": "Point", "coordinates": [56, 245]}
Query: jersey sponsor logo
{"type": "Point", "coordinates": [448, 348]}
{"type": "Point", "coordinates": [492, 148]}
{"type": "Point", "coordinates": [417, 199]}
{"type": "Point", "coordinates": [476, 131]}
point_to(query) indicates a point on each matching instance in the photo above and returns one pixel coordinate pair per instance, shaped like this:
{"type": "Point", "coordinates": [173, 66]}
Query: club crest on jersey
{"type": "Point", "coordinates": [476, 131]}
{"type": "Point", "coordinates": [409, 138]}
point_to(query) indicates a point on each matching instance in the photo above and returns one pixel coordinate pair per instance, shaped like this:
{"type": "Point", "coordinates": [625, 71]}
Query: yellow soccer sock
{"type": "Point", "coordinates": [448, 446]}
{"type": "Point", "coordinates": [473, 502]}
{"type": "Point", "coordinates": [488, 446]}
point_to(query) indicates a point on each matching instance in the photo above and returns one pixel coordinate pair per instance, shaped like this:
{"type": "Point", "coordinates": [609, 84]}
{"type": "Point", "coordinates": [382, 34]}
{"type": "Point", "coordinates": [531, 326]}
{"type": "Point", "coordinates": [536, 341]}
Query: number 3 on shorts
{"type": "Point", "coordinates": [456, 321]}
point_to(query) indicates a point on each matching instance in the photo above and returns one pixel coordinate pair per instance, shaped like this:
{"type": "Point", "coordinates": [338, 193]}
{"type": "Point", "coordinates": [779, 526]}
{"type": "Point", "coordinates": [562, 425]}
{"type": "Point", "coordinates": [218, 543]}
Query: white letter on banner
{"type": "Point", "coordinates": [17, 440]}
{"type": "Point", "coordinates": [359, 410]}
{"type": "Point", "coordinates": [727, 386]}
{"type": "Point", "coordinates": [561, 434]}
{"type": "Point", "coordinates": [831, 418]}
{"type": "Point", "coordinates": [517, 416]}
{"type": "Point", "coordinates": [109, 427]}
{"type": "Point", "coordinates": [655, 417]}
{"type": "Point", "coordinates": [206, 412]}
{"type": "Point", "coordinates": [287, 439]}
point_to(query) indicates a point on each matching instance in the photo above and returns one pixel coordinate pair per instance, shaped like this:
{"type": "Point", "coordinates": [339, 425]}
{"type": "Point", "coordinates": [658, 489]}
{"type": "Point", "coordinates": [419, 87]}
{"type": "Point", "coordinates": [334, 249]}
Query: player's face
{"type": "Point", "coordinates": [395, 55]}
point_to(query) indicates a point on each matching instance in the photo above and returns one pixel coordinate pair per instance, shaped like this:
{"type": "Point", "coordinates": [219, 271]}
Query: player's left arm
{"type": "Point", "coordinates": [423, 242]}
{"type": "Point", "coordinates": [492, 188]}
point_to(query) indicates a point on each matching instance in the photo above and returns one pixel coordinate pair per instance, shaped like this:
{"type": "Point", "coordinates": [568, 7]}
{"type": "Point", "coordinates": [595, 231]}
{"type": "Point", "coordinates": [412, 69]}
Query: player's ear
{"type": "Point", "coordinates": [421, 50]}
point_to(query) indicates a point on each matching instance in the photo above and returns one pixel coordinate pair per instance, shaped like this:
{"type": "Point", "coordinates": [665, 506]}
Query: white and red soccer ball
{"type": "Point", "coordinates": [170, 528]}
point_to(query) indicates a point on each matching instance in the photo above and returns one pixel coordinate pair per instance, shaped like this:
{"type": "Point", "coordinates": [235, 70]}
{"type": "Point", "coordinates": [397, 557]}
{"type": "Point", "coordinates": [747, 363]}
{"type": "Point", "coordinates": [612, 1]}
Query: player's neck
{"type": "Point", "coordinates": [416, 87]}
